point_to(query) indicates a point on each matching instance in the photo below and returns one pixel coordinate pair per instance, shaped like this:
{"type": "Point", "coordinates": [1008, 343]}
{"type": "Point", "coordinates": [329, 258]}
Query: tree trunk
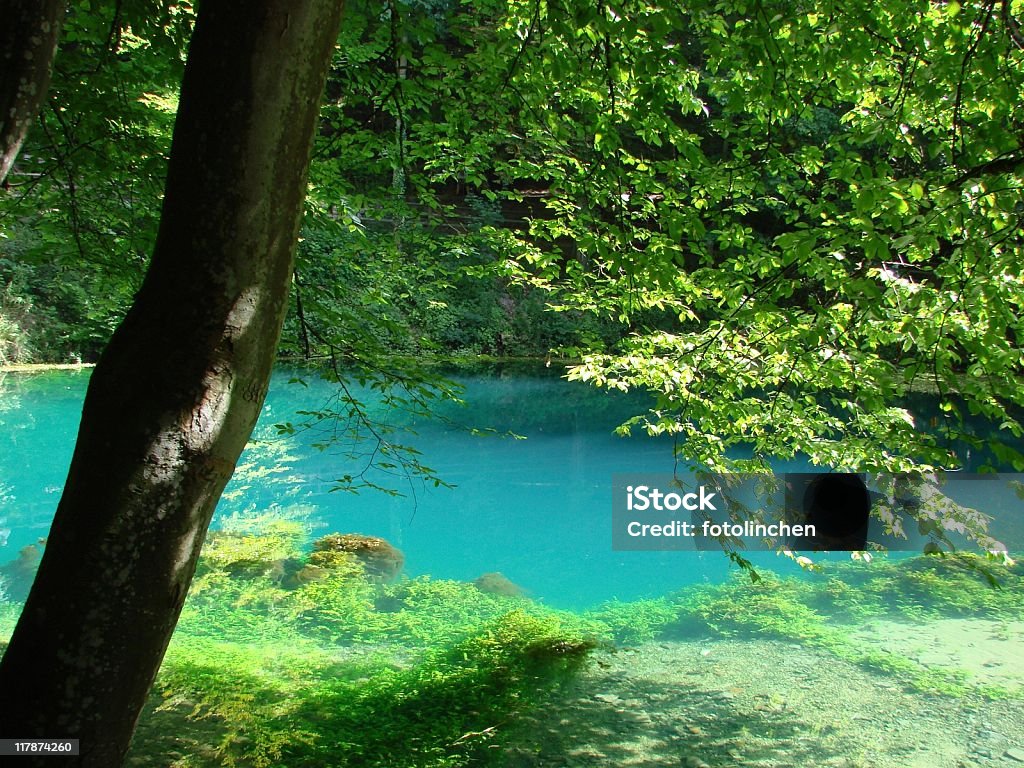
{"type": "Point", "coordinates": [28, 41]}
{"type": "Point", "coordinates": [178, 390]}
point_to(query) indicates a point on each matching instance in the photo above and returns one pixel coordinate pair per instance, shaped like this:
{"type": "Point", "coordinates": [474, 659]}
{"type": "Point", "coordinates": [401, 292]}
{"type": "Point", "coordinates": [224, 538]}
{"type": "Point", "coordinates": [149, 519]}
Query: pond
{"type": "Point", "coordinates": [903, 662]}
{"type": "Point", "coordinates": [530, 457]}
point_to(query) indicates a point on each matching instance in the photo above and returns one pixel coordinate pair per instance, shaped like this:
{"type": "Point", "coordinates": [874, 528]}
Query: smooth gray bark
{"type": "Point", "coordinates": [179, 388]}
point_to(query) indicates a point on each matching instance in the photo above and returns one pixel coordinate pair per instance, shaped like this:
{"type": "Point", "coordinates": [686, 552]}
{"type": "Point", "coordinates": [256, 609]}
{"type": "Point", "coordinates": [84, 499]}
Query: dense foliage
{"type": "Point", "coordinates": [779, 219]}
{"type": "Point", "coordinates": [78, 215]}
{"type": "Point", "coordinates": [829, 199]}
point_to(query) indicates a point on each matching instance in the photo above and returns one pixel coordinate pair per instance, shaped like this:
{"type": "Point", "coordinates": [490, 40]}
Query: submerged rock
{"type": "Point", "coordinates": [381, 561]}
{"type": "Point", "coordinates": [498, 584]}
{"type": "Point", "coordinates": [292, 573]}
{"type": "Point", "coordinates": [17, 575]}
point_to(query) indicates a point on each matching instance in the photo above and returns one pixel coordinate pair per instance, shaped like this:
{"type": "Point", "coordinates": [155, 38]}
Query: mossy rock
{"type": "Point", "coordinates": [17, 575]}
{"type": "Point", "coordinates": [498, 584]}
{"type": "Point", "coordinates": [381, 561]}
{"type": "Point", "coordinates": [252, 555]}
{"type": "Point", "coordinates": [334, 560]}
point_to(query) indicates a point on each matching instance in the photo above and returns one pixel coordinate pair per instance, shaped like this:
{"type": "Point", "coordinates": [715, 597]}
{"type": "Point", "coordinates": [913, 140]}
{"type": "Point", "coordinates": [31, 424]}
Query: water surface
{"type": "Point", "coordinates": [531, 496]}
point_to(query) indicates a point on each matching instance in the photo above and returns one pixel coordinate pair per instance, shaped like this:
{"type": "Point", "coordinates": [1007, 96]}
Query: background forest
{"type": "Point", "coordinates": [399, 250]}
{"type": "Point", "coordinates": [780, 220]}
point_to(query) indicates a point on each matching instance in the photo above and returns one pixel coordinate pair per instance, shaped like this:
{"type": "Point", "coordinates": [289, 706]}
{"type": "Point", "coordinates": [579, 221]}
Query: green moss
{"type": "Point", "coordinates": [822, 610]}
{"type": "Point", "coordinates": [327, 667]}
{"type": "Point", "coordinates": [339, 609]}
{"type": "Point", "coordinates": [333, 560]}
{"type": "Point", "coordinates": [637, 621]}
{"type": "Point", "coordinates": [223, 606]}
{"type": "Point", "coordinates": [9, 613]}
{"type": "Point", "coordinates": [343, 670]}
{"type": "Point", "coordinates": [945, 681]}
{"type": "Point", "coordinates": [345, 609]}
{"type": "Point", "coordinates": [914, 589]}
{"type": "Point", "coordinates": [253, 545]}
{"type": "Point", "coordinates": [771, 606]}
{"type": "Point", "coordinates": [444, 710]}
{"type": "Point", "coordinates": [307, 706]}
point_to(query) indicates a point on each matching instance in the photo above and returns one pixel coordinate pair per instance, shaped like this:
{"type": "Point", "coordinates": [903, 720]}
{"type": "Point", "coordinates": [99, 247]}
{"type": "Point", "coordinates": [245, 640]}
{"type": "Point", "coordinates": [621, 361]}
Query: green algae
{"type": "Point", "coordinates": [342, 670]}
{"type": "Point", "coordinates": [823, 608]}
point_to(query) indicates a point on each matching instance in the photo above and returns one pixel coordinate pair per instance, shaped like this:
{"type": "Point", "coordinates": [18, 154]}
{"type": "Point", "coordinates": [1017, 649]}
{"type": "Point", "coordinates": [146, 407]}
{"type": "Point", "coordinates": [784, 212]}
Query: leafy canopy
{"type": "Point", "coordinates": [823, 204]}
{"type": "Point", "coordinates": [783, 219]}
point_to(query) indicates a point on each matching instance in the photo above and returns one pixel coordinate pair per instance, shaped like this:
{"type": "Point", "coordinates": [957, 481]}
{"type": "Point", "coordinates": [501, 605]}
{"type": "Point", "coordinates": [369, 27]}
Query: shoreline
{"type": "Point", "coordinates": [32, 367]}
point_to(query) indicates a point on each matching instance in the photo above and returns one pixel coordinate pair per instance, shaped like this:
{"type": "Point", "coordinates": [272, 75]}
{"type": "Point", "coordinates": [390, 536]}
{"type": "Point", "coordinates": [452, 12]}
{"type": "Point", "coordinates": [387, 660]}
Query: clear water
{"type": "Point", "coordinates": [535, 506]}
{"type": "Point", "coordinates": [532, 497]}
{"type": "Point", "coordinates": [903, 664]}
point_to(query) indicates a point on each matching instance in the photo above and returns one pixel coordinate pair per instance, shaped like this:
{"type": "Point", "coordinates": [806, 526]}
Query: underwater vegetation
{"type": "Point", "coordinates": [824, 609]}
{"type": "Point", "coordinates": [304, 705]}
{"type": "Point", "coordinates": [294, 651]}
{"type": "Point", "coordinates": [305, 654]}
{"type": "Point", "coordinates": [346, 670]}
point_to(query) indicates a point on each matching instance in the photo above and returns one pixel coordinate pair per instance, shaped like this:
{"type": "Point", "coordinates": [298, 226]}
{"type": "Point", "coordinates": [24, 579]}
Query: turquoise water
{"type": "Point", "coordinates": [903, 663]}
{"type": "Point", "coordinates": [39, 416]}
{"type": "Point", "coordinates": [535, 506]}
